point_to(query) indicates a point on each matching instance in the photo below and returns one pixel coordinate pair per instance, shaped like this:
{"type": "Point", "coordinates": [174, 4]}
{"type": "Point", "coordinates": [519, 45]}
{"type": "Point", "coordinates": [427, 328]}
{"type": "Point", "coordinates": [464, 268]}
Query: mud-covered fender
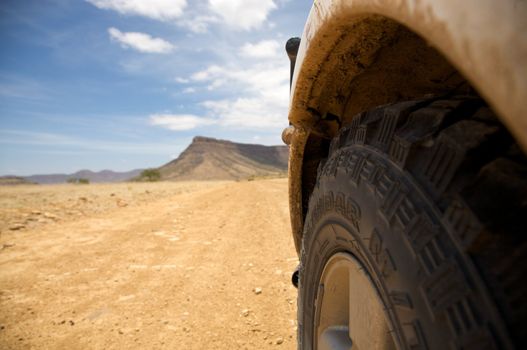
{"type": "Point", "coordinates": [485, 40]}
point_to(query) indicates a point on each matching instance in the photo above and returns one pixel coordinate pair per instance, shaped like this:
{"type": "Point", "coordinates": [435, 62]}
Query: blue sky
{"type": "Point", "coordinates": [124, 84]}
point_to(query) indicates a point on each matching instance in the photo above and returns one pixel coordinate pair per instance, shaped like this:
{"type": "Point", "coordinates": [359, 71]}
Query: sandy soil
{"type": "Point", "coordinates": [147, 266]}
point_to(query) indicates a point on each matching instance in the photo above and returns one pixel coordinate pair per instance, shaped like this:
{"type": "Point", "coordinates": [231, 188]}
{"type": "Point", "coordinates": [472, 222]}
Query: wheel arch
{"type": "Point", "coordinates": [355, 55]}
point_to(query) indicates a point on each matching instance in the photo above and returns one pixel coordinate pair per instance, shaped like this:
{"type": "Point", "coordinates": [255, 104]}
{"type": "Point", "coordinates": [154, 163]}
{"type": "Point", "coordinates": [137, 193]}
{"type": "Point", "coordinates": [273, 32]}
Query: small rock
{"type": "Point", "coordinates": [245, 312]}
{"type": "Point", "coordinates": [121, 203]}
{"type": "Point", "coordinates": [72, 323]}
{"type": "Point", "coordinates": [112, 194]}
{"type": "Point", "coordinates": [84, 199]}
{"type": "Point", "coordinates": [36, 212]}
{"type": "Point", "coordinates": [50, 216]}
{"type": "Point", "coordinates": [17, 226]}
{"type": "Point", "coordinates": [279, 341]}
{"type": "Point", "coordinates": [257, 290]}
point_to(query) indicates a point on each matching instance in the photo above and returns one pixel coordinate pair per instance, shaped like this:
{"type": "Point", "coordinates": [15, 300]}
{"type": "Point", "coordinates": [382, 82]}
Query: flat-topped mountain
{"type": "Point", "coordinates": [211, 159]}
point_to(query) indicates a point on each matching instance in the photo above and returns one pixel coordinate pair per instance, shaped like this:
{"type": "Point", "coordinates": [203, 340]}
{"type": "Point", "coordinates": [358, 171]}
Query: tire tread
{"type": "Point", "coordinates": [454, 149]}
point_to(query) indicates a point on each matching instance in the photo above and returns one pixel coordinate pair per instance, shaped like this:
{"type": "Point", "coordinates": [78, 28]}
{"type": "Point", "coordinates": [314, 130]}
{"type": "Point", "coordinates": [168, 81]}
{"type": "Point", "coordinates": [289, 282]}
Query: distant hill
{"type": "Point", "coordinates": [14, 180]}
{"type": "Point", "coordinates": [204, 159]}
{"type": "Point", "coordinates": [100, 176]}
{"type": "Point", "coordinates": [211, 159]}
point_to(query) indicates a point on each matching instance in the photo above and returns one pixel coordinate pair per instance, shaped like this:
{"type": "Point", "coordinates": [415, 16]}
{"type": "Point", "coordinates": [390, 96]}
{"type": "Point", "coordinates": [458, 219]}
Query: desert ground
{"type": "Point", "coordinates": [169, 265]}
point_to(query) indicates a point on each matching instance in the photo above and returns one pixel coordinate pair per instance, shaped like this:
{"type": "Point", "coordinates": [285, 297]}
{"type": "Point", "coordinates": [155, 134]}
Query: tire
{"type": "Point", "coordinates": [427, 199]}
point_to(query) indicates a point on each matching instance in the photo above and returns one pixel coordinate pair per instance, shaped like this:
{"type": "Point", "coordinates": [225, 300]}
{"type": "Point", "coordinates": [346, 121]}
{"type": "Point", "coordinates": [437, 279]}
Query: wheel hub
{"type": "Point", "coordinates": [349, 311]}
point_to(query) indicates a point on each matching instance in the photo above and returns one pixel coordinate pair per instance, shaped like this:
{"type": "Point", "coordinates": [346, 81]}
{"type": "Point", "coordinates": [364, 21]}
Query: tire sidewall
{"type": "Point", "coordinates": [348, 212]}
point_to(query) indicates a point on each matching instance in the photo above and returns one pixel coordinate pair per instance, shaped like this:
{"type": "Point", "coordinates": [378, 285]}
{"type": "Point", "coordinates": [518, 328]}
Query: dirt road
{"type": "Point", "coordinates": [147, 266]}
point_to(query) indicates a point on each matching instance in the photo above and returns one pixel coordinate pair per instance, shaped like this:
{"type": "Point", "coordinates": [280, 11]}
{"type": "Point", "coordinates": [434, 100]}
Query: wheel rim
{"type": "Point", "coordinates": [349, 312]}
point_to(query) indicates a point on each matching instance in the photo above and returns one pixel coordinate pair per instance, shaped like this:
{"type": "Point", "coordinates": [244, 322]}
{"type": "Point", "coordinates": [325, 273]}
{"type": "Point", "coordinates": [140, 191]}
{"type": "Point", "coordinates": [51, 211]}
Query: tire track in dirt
{"type": "Point", "coordinates": [178, 272]}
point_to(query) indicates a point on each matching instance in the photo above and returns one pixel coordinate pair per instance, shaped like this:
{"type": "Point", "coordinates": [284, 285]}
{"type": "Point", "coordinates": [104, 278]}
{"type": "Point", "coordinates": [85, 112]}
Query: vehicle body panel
{"type": "Point", "coordinates": [347, 46]}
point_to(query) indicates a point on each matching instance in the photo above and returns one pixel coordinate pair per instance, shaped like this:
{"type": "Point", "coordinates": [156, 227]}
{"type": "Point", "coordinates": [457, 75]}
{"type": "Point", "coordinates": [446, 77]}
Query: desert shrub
{"type": "Point", "coordinates": [150, 175]}
{"type": "Point", "coordinates": [78, 181]}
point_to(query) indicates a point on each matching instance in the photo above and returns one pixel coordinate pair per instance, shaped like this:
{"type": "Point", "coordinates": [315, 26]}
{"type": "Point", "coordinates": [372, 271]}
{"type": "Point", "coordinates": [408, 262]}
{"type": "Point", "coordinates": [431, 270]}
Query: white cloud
{"type": "Point", "coordinates": [237, 14]}
{"type": "Point", "coordinates": [189, 90]}
{"type": "Point", "coordinates": [259, 87]}
{"type": "Point", "coordinates": [182, 80]}
{"type": "Point", "coordinates": [216, 84]}
{"type": "Point", "coordinates": [268, 80]}
{"type": "Point", "coordinates": [163, 10]}
{"type": "Point", "coordinates": [242, 14]}
{"type": "Point", "coordinates": [207, 74]}
{"type": "Point", "coordinates": [140, 41]}
{"type": "Point", "coordinates": [248, 113]}
{"type": "Point", "coordinates": [262, 49]}
{"type": "Point", "coordinates": [180, 122]}
{"type": "Point", "coordinates": [240, 113]}
{"type": "Point", "coordinates": [198, 24]}
{"type": "Point", "coordinates": [263, 103]}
